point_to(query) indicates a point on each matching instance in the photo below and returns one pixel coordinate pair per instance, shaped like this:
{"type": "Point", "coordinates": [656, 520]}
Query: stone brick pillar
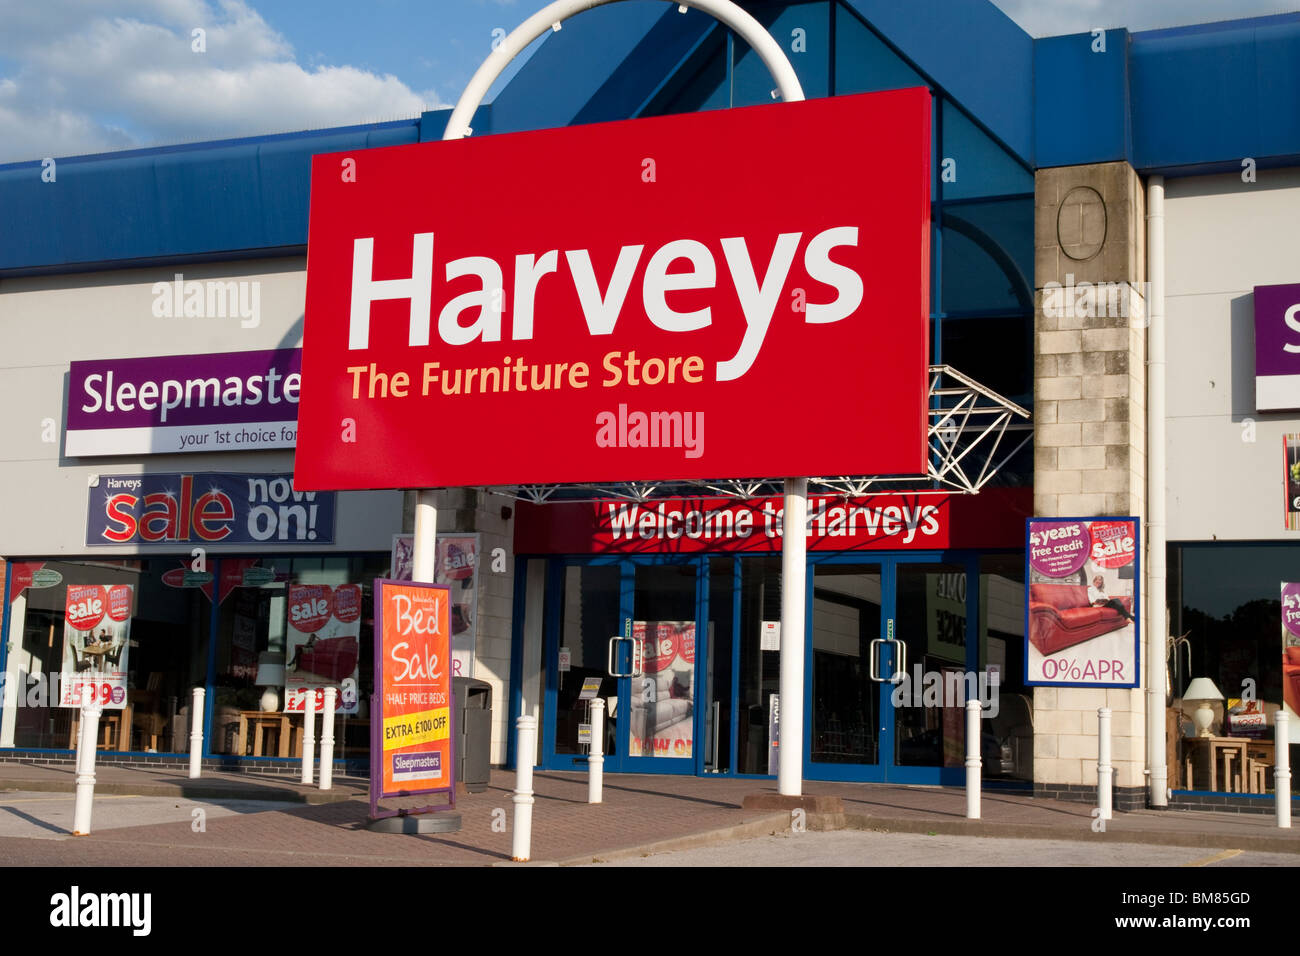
{"type": "Point", "coordinates": [1089, 431]}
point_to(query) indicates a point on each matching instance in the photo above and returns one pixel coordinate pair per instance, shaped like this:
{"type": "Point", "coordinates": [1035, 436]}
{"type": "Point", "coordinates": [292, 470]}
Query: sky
{"type": "Point", "coordinates": [86, 76]}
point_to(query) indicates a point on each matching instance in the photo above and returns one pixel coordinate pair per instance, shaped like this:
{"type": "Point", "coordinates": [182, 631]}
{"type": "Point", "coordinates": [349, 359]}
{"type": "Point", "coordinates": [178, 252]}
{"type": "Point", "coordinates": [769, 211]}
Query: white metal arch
{"type": "Point", "coordinates": [550, 18]}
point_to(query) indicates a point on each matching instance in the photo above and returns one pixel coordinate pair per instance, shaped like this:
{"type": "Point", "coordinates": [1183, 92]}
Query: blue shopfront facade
{"type": "Point", "coordinates": [1006, 106]}
{"type": "Point", "coordinates": [679, 635]}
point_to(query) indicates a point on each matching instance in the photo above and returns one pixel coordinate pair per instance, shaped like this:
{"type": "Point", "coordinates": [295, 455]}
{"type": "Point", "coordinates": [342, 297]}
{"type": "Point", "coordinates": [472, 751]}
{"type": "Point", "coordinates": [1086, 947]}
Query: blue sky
{"type": "Point", "coordinates": [82, 76]}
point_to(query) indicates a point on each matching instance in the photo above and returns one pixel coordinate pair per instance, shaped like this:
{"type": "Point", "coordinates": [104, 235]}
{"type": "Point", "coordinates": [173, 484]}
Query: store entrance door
{"type": "Point", "coordinates": [625, 631]}
{"type": "Point", "coordinates": [890, 656]}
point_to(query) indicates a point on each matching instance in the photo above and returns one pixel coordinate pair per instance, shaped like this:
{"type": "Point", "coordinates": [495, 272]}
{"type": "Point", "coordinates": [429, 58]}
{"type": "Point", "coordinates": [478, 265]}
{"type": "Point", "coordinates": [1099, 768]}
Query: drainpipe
{"type": "Point", "coordinates": [1157, 626]}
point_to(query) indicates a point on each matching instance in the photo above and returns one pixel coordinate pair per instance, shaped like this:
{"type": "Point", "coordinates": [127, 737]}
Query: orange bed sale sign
{"type": "Point", "coordinates": [412, 727]}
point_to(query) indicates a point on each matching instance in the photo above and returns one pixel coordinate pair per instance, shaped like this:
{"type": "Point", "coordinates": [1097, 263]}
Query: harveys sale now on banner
{"type": "Point", "coordinates": [620, 300]}
{"type": "Point", "coordinates": [411, 741]}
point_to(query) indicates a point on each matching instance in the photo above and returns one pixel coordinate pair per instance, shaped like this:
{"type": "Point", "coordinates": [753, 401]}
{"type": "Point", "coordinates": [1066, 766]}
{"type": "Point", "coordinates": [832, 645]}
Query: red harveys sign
{"type": "Point", "coordinates": [995, 518]}
{"type": "Point", "coordinates": [735, 293]}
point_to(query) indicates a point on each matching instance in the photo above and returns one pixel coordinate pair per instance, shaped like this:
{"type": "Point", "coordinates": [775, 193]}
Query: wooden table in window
{"type": "Point", "coordinates": [1197, 751]}
{"type": "Point", "coordinates": [112, 725]}
{"type": "Point", "coordinates": [286, 733]}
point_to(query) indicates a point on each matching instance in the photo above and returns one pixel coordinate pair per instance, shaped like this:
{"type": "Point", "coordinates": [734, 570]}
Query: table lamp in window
{"type": "Point", "coordinates": [1202, 690]}
{"type": "Point", "coordinates": [270, 676]}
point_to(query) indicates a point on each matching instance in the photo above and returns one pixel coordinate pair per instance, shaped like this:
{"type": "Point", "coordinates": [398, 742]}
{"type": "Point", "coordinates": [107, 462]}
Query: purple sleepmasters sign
{"type": "Point", "coordinates": [1277, 347]}
{"type": "Point", "coordinates": [182, 403]}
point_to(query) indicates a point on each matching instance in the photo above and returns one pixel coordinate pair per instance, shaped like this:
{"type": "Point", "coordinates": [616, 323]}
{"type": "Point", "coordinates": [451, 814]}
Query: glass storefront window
{"type": "Point", "coordinates": [863, 61]}
{"type": "Point", "coordinates": [266, 668]}
{"type": "Point", "coordinates": [722, 583]}
{"type": "Point", "coordinates": [804, 30]}
{"type": "Point", "coordinates": [846, 701]}
{"type": "Point", "coordinates": [1225, 616]}
{"type": "Point", "coordinates": [1002, 646]}
{"type": "Point", "coordinates": [996, 352]}
{"type": "Point", "coordinates": [980, 166]}
{"type": "Point", "coordinates": [661, 711]}
{"type": "Point", "coordinates": [160, 646]}
{"type": "Point", "coordinates": [589, 615]}
{"type": "Point", "coordinates": [760, 670]}
{"type": "Point", "coordinates": [147, 661]}
{"type": "Point", "coordinates": [988, 256]}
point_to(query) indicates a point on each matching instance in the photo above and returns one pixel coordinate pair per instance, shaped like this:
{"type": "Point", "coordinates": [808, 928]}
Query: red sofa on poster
{"type": "Point", "coordinates": [1291, 679]}
{"type": "Point", "coordinates": [1060, 616]}
{"type": "Point", "coordinates": [333, 658]}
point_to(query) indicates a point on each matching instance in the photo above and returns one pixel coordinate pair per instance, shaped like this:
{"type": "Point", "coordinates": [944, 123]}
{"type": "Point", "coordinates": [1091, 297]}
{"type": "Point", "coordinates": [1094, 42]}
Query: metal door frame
{"type": "Point", "coordinates": [621, 761]}
{"type": "Point", "coordinates": [886, 770]}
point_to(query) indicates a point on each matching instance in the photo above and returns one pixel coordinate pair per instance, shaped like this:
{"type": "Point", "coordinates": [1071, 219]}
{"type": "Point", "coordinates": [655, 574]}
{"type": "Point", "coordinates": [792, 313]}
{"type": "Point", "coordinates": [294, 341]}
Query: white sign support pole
{"type": "Point", "coordinates": [327, 739]}
{"type": "Point", "coordinates": [525, 748]}
{"type": "Point", "coordinates": [596, 756]}
{"type": "Point", "coordinates": [87, 740]}
{"type": "Point", "coordinates": [1104, 768]}
{"type": "Point", "coordinates": [974, 760]}
{"type": "Point", "coordinates": [426, 537]}
{"type": "Point", "coordinates": [196, 733]}
{"type": "Point", "coordinates": [794, 570]}
{"type": "Point", "coordinates": [308, 736]}
{"type": "Point", "coordinates": [1282, 770]}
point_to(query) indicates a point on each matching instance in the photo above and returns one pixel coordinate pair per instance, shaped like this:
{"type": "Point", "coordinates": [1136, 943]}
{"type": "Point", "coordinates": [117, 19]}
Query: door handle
{"type": "Point", "coordinates": [638, 657]}
{"type": "Point", "coordinates": [875, 658]}
{"type": "Point", "coordinates": [900, 662]}
{"type": "Point", "coordinates": [609, 658]}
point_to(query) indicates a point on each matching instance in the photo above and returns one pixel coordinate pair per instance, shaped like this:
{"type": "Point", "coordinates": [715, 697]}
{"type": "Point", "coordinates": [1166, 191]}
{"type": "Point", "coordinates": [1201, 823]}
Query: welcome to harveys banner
{"type": "Point", "coordinates": [922, 522]}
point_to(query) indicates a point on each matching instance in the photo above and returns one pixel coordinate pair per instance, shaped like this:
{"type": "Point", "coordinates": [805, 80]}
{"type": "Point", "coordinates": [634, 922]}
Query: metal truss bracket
{"type": "Point", "coordinates": [973, 433]}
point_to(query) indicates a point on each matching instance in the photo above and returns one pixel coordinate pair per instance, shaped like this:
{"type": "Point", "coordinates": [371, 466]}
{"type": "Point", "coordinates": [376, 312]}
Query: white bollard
{"type": "Point", "coordinates": [596, 757]}
{"type": "Point", "coordinates": [1282, 768]}
{"type": "Point", "coordinates": [1104, 769]}
{"type": "Point", "coordinates": [973, 760]}
{"type": "Point", "coordinates": [525, 752]}
{"type": "Point", "coordinates": [308, 736]}
{"type": "Point", "coordinates": [327, 740]}
{"type": "Point", "coordinates": [87, 739]}
{"type": "Point", "coordinates": [196, 733]}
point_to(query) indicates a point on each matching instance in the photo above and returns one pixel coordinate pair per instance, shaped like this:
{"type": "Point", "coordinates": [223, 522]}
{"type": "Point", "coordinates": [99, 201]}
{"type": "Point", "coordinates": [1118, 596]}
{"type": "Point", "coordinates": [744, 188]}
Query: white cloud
{"type": "Point", "coordinates": [83, 81]}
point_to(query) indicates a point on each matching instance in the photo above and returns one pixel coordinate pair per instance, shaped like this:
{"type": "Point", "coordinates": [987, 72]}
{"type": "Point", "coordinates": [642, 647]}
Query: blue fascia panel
{"type": "Point", "coordinates": [169, 202]}
{"type": "Point", "coordinates": [570, 66]}
{"type": "Point", "coordinates": [975, 52]}
{"type": "Point", "coordinates": [1224, 166]}
{"type": "Point", "coordinates": [1217, 93]}
{"type": "Point", "coordinates": [1081, 97]}
{"type": "Point", "coordinates": [434, 123]}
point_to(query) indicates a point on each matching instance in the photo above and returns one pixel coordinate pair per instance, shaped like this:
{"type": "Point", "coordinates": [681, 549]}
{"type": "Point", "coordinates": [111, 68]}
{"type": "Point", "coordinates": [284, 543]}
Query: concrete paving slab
{"type": "Point", "coordinates": [640, 814]}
